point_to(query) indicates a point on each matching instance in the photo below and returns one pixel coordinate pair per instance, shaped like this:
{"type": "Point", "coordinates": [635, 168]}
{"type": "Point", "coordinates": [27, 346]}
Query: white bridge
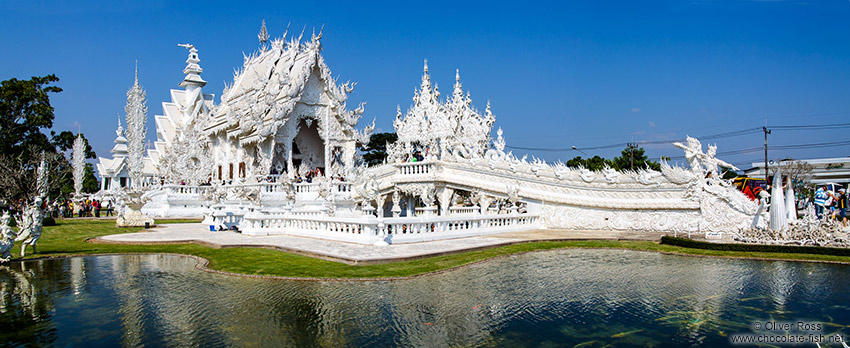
{"type": "Point", "coordinates": [418, 201]}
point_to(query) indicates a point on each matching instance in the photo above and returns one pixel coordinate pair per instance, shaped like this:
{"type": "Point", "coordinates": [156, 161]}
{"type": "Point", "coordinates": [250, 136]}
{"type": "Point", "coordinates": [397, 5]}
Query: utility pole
{"type": "Point", "coordinates": [766, 132]}
{"type": "Point", "coordinates": [632, 147]}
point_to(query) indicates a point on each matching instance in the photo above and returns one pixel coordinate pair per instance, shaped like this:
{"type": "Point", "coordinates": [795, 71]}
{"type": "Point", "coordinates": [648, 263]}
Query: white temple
{"type": "Point", "coordinates": [278, 155]}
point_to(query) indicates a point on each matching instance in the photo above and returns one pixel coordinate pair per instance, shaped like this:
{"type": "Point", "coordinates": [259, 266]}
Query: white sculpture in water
{"type": "Point", "coordinates": [7, 238]}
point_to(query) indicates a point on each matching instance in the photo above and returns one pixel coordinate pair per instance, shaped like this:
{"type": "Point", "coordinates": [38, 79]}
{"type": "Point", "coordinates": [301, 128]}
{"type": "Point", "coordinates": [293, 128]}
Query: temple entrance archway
{"type": "Point", "coordinates": [308, 148]}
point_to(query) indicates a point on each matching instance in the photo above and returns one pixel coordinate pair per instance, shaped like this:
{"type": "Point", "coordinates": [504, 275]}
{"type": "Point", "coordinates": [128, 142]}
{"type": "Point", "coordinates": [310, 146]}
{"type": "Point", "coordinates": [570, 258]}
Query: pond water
{"type": "Point", "coordinates": [564, 298]}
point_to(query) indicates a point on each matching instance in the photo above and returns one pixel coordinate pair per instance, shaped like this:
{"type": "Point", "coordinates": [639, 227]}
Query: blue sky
{"type": "Point", "coordinates": [558, 74]}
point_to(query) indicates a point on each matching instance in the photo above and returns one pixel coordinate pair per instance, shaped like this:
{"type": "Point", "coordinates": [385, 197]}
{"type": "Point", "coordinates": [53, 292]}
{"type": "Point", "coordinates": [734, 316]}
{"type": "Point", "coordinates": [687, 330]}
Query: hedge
{"type": "Point", "coordinates": [760, 248]}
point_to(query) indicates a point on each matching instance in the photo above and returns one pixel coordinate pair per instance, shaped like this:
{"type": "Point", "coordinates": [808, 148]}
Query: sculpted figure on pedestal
{"type": "Point", "coordinates": [7, 238]}
{"type": "Point", "coordinates": [29, 226]}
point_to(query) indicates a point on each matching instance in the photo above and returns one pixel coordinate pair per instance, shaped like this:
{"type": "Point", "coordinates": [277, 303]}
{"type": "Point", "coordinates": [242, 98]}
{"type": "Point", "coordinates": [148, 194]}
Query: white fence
{"type": "Point", "coordinates": [369, 230]}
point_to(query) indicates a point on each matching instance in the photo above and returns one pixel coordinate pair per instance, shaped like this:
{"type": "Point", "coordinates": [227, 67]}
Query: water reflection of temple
{"type": "Point", "coordinates": [579, 294]}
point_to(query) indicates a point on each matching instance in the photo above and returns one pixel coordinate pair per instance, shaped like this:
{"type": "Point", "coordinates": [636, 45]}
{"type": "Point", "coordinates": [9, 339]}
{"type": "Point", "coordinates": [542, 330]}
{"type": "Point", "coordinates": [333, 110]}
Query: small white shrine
{"type": "Point", "coordinates": [277, 155]}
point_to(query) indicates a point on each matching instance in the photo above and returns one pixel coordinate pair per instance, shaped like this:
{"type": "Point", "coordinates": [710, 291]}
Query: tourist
{"type": "Point", "coordinates": [96, 206]}
{"type": "Point", "coordinates": [842, 205]}
{"type": "Point", "coordinates": [109, 208]}
{"type": "Point", "coordinates": [821, 197]}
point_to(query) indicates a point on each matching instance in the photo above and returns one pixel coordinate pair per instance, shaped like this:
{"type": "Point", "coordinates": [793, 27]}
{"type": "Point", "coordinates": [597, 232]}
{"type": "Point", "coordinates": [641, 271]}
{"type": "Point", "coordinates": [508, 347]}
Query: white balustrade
{"type": "Point", "coordinates": [415, 168]}
{"type": "Point", "coordinates": [368, 229]}
{"type": "Point", "coordinates": [463, 210]}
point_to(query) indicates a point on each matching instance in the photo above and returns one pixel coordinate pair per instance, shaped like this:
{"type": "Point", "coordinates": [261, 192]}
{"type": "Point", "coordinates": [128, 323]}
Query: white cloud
{"type": "Point", "coordinates": [652, 124]}
{"type": "Point", "coordinates": [635, 109]}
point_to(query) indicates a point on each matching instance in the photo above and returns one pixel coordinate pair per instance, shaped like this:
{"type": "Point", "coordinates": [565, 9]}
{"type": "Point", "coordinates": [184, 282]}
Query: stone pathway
{"type": "Point", "coordinates": [356, 253]}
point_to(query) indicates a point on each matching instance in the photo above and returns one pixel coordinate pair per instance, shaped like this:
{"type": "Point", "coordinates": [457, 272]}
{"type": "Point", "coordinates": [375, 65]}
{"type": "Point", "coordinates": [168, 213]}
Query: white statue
{"type": "Point", "coordinates": [7, 238]}
{"type": "Point", "coordinates": [790, 206]}
{"type": "Point", "coordinates": [693, 152]}
{"type": "Point", "coordinates": [711, 163]}
{"type": "Point", "coordinates": [778, 216]}
{"type": "Point", "coordinates": [29, 226]}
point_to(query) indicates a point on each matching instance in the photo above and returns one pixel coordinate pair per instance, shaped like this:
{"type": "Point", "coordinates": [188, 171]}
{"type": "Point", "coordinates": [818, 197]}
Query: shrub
{"type": "Point", "coordinates": [48, 221]}
{"type": "Point", "coordinates": [760, 248]}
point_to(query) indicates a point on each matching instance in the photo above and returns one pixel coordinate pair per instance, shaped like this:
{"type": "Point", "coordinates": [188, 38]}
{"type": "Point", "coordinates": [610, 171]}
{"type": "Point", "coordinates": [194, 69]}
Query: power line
{"type": "Point", "coordinates": [735, 133]}
{"type": "Point", "coordinates": [778, 147]}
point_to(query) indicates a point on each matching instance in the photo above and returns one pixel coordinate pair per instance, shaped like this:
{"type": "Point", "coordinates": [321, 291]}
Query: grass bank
{"type": "Point", "coordinates": [68, 238]}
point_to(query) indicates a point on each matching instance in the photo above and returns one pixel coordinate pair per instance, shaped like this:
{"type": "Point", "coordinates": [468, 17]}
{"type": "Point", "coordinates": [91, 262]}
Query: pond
{"type": "Point", "coordinates": [562, 298]}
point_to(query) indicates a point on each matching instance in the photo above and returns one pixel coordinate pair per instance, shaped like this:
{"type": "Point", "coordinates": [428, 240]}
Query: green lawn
{"type": "Point", "coordinates": [68, 238]}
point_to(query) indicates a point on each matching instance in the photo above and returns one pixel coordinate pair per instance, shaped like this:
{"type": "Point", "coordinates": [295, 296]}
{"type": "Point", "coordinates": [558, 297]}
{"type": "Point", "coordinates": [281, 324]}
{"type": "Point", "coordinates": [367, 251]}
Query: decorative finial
{"type": "Point", "coordinates": [426, 66]}
{"type": "Point", "coordinates": [263, 35]}
{"type": "Point", "coordinates": [192, 69]}
{"type": "Point", "coordinates": [120, 129]}
{"type": "Point", "coordinates": [286, 32]}
{"type": "Point", "coordinates": [457, 76]}
{"type": "Point", "coordinates": [318, 37]}
{"type": "Point", "coordinates": [137, 71]}
{"type": "Point", "coordinates": [302, 32]}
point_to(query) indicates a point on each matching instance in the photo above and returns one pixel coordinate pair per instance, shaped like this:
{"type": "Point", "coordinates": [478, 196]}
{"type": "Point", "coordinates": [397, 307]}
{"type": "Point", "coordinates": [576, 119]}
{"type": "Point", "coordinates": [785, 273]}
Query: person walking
{"type": "Point", "coordinates": [109, 208]}
{"type": "Point", "coordinates": [820, 201]}
{"type": "Point", "coordinates": [842, 205]}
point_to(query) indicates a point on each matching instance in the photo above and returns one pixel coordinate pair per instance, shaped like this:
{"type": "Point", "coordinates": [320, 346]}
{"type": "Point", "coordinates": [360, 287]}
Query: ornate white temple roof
{"type": "Point", "coordinates": [272, 81]}
{"type": "Point", "coordinates": [453, 126]}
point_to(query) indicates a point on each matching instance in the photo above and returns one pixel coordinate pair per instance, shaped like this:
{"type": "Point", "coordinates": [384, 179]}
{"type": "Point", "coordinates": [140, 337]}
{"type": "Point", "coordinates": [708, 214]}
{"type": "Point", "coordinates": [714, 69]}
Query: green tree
{"type": "Point", "coordinates": [375, 152]}
{"type": "Point", "coordinates": [24, 111]}
{"type": "Point", "coordinates": [594, 163]}
{"type": "Point", "coordinates": [624, 162]}
{"type": "Point", "coordinates": [728, 173]}
{"type": "Point", "coordinates": [64, 141]}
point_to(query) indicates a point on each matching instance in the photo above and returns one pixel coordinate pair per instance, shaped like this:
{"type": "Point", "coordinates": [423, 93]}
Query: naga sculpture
{"type": "Point", "coordinates": [7, 238]}
{"type": "Point", "coordinates": [29, 227]}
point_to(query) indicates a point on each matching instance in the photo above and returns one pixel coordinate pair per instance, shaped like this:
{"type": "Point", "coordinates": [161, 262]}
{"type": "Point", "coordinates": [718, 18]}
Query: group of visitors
{"type": "Point", "coordinates": [85, 208]}
{"type": "Point", "coordinates": [831, 204]}
{"type": "Point", "coordinates": [66, 208]}
{"type": "Point", "coordinates": [417, 156]}
{"type": "Point", "coordinates": [308, 178]}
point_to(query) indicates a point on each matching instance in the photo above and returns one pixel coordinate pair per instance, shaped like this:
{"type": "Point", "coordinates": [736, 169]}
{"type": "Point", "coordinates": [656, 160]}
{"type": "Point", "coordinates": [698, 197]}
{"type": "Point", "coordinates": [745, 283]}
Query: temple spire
{"type": "Point", "coordinates": [263, 35]}
{"type": "Point", "coordinates": [120, 148]}
{"type": "Point", "coordinates": [120, 130]}
{"type": "Point", "coordinates": [192, 70]}
{"type": "Point", "coordinates": [458, 91]}
{"type": "Point", "coordinates": [136, 83]}
{"type": "Point", "coordinates": [425, 88]}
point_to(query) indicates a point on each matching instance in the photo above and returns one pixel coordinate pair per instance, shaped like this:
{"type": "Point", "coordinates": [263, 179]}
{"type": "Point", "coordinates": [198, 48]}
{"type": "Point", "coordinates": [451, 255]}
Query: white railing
{"type": "Point", "coordinates": [463, 210]}
{"type": "Point", "coordinates": [368, 229]}
{"type": "Point", "coordinates": [415, 168]}
{"type": "Point", "coordinates": [409, 230]}
{"type": "Point", "coordinates": [336, 186]}
{"type": "Point", "coordinates": [184, 189]}
{"type": "Point", "coordinates": [343, 229]}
